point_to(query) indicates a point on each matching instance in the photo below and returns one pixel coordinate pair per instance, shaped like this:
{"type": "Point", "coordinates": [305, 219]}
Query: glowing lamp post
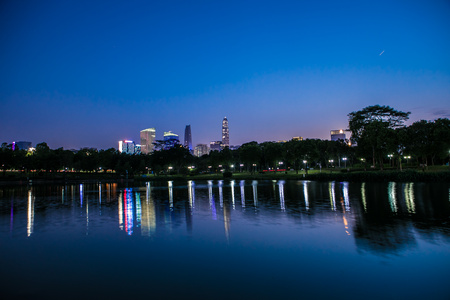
{"type": "Point", "coordinates": [331, 162]}
{"type": "Point", "coordinates": [407, 159]}
{"type": "Point", "coordinates": [345, 161]}
{"type": "Point", "coordinates": [390, 159]}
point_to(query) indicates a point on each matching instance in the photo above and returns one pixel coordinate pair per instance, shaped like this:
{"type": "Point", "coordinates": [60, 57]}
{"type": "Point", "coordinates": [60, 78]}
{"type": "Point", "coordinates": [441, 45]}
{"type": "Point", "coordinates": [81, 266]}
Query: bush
{"type": "Point", "coordinates": [227, 174]}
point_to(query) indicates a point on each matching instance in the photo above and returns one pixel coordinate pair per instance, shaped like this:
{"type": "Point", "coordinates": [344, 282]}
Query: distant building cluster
{"type": "Point", "coordinates": [149, 143]}
{"type": "Point", "coordinates": [171, 139]}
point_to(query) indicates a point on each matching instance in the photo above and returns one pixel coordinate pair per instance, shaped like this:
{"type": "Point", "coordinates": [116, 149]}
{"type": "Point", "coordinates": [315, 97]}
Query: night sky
{"type": "Point", "coordinates": [90, 73]}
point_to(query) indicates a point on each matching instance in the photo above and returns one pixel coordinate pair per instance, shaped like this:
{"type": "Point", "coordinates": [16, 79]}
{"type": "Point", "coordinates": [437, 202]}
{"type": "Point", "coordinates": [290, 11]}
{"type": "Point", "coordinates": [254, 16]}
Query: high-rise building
{"type": "Point", "coordinates": [148, 137]}
{"type": "Point", "coordinates": [127, 146]}
{"type": "Point", "coordinates": [337, 135]}
{"type": "Point", "coordinates": [215, 146]}
{"type": "Point", "coordinates": [297, 138]}
{"type": "Point", "coordinates": [200, 150]}
{"type": "Point", "coordinates": [225, 133]}
{"type": "Point", "coordinates": [170, 140]}
{"type": "Point", "coordinates": [21, 145]}
{"type": "Point", "coordinates": [188, 138]}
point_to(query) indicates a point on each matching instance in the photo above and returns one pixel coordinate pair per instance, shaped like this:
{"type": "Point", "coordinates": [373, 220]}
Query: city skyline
{"type": "Point", "coordinates": [81, 74]}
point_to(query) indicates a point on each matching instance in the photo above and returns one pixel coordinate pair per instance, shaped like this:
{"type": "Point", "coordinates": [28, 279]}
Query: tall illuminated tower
{"type": "Point", "coordinates": [188, 138]}
{"type": "Point", "coordinates": [147, 138]}
{"type": "Point", "coordinates": [225, 134]}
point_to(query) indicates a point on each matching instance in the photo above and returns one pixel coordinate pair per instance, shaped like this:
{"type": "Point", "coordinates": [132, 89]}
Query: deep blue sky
{"type": "Point", "coordinates": [89, 73]}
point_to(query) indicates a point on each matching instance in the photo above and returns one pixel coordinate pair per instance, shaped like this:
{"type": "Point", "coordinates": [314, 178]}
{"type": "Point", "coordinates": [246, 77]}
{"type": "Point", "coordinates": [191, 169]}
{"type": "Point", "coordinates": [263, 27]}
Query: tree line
{"type": "Point", "coordinates": [379, 139]}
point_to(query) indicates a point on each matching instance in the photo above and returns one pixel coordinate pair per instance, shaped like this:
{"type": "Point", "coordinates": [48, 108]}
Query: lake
{"type": "Point", "coordinates": [226, 239]}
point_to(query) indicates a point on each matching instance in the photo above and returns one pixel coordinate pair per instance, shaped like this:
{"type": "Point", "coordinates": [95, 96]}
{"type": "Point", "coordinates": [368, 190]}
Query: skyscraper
{"type": "Point", "coordinates": [225, 134]}
{"type": "Point", "coordinates": [337, 135]}
{"type": "Point", "coordinates": [188, 138]}
{"type": "Point", "coordinates": [170, 140]}
{"type": "Point", "coordinates": [201, 149]}
{"type": "Point", "coordinates": [147, 138]}
{"type": "Point", "coordinates": [127, 146]}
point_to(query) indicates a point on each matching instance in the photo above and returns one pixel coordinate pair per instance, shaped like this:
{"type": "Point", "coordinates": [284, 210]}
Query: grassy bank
{"type": "Point", "coordinates": [441, 174]}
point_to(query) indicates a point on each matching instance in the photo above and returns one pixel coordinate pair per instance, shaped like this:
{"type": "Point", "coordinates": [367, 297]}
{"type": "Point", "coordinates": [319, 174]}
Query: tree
{"type": "Point", "coordinates": [373, 128]}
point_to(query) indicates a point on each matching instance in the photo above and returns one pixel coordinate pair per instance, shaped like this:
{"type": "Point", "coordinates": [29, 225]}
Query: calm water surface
{"type": "Point", "coordinates": [226, 240]}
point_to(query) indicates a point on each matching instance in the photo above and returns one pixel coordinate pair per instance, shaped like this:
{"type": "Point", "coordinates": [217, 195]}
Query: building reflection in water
{"type": "Point", "coordinates": [137, 196]}
{"type": "Point", "coordinates": [255, 192]}
{"type": "Point", "coordinates": [30, 213]}
{"type": "Point", "coordinates": [281, 190]}
{"type": "Point", "coordinates": [332, 195]}
{"type": "Point", "coordinates": [148, 219]}
{"type": "Point", "coordinates": [170, 184]}
{"type": "Point", "coordinates": [212, 204]}
{"type": "Point", "coordinates": [221, 193]}
{"type": "Point", "coordinates": [120, 211]}
{"type": "Point", "coordinates": [392, 195]}
{"type": "Point", "coordinates": [409, 197]}
{"type": "Point", "coordinates": [191, 192]}
{"type": "Point", "coordinates": [242, 187]}
{"type": "Point", "coordinates": [305, 193]}
{"type": "Point", "coordinates": [128, 205]}
{"type": "Point", "coordinates": [226, 221]}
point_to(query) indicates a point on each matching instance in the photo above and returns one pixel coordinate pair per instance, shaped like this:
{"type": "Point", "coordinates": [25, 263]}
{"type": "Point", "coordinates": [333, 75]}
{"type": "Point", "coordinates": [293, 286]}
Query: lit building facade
{"type": "Point", "coordinates": [21, 145]}
{"type": "Point", "coordinates": [170, 140]}
{"type": "Point", "coordinates": [225, 133]}
{"type": "Point", "coordinates": [201, 149]}
{"type": "Point", "coordinates": [215, 146]}
{"type": "Point", "coordinates": [337, 135]}
{"type": "Point", "coordinates": [127, 146]}
{"type": "Point", "coordinates": [297, 138]}
{"type": "Point", "coordinates": [148, 137]}
{"type": "Point", "coordinates": [188, 138]}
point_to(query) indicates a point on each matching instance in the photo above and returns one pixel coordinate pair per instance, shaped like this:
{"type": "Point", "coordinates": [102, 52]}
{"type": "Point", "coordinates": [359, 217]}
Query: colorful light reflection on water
{"type": "Point", "coordinates": [278, 238]}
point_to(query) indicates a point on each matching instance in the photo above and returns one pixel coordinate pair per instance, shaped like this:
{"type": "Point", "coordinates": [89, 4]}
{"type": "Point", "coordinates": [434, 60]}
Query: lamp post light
{"type": "Point", "coordinates": [331, 162]}
{"type": "Point", "coordinates": [280, 164]}
{"type": "Point", "coordinates": [240, 167]}
{"type": "Point", "coordinates": [407, 159]}
{"type": "Point", "coordinates": [254, 167]}
{"type": "Point", "coordinates": [345, 161]}
{"type": "Point", "coordinates": [390, 159]}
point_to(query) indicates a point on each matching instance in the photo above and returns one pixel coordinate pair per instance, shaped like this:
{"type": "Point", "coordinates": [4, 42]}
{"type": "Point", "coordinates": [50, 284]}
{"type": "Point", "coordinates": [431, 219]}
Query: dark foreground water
{"type": "Point", "coordinates": [226, 240]}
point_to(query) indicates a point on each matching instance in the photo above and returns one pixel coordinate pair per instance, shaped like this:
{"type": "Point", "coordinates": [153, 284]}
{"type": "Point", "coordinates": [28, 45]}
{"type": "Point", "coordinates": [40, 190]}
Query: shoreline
{"type": "Point", "coordinates": [352, 176]}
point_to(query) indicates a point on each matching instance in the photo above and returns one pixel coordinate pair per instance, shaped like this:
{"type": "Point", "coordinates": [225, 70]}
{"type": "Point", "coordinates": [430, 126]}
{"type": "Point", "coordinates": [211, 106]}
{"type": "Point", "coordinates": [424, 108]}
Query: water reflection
{"type": "Point", "coordinates": [392, 191]}
{"type": "Point", "coordinates": [281, 190]}
{"type": "Point", "coordinates": [408, 193]}
{"type": "Point", "coordinates": [148, 219]}
{"type": "Point", "coordinates": [30, 213]}
{"type": "Point", "coordinates": [255, 192]}
{"type": "Point", "coordinates": [332, 195]}
{"type": "Point", "coordinates": [379, 216]}
{"type": "Point", "coordinates": [242, 187]}
{"type": "Point", "coordinates": [305, 194]}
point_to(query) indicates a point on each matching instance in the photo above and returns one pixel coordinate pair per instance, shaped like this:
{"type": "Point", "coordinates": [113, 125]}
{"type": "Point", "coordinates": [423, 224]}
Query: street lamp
{"type": "Point", "coordinates": [390, 159]}
{"type": "Point", "coordinates": [407, 159]}
{"type": "Point", "coordinates": [345, 161]}
{"type": "Point", "coordinates": [280, 164]}
{"type": "Point", "coordinates": [240, 167]}
{"type": "Point", "coordinates": [331, 162]}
